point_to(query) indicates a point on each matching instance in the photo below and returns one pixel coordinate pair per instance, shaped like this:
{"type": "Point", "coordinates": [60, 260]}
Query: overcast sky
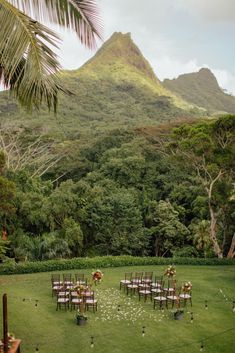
{"type": "Point", "coordinates": [175, 36]}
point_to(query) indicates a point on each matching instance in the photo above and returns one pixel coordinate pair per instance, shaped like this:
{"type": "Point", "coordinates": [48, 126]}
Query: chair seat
{"type": "Point", "coordinates": [169, 289]}
{"type": "Point", "coordinates": [125, 281]}
{"type": "Point", "coordinates": [68, 282]}
{"type": "Point", "coordinates": [57, 287]}
{"type": "Point", "coordinates": [63, 294]}
{"type": "Point", "coordinates": [136, 280]}
{"type": "Point", "coordinates": [132, 286]}
{"type": "Point", "coordinates": [156, 290]}
{"type": "Point", "coordinates": [160, 298]}
{"type": "Point", "coordinates": [62, 300]}
{"type": "Point", "coordinates": [81, 282]}
{"type": "Point", "coordinates": [57, 283]}
{"type": "Point", "coordinates": [143, 285]}
{"type": "Point", "coordinates": [74, 294]}
{"type": "Point", "coordinates": [155, 285]}
{"type": "Point", "coordinates": [185, 296]}
{"type": "Point", "coordinates": [172, 297]}
{"type": "Point", "coordinates": [144, 292]}
{"type": "Point", "coordinates": [87, 294]}
{"type": "Point", "coordinates": [146, 280]}
{"type": "Point", "coordinates": [91, 301]}
{"type": "Point", "coordinates": [76, 301]}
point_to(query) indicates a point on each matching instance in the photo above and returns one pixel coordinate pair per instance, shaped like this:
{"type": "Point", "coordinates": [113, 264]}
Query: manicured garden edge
{"type": "Point", "coordinates": [11, 267]}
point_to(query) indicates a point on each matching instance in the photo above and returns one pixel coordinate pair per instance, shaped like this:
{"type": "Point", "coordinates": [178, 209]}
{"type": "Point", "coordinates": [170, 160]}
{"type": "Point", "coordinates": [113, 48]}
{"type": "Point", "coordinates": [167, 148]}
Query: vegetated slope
{"type": "Point", "coordinates": [202, 89]}
{"type": "Point", "coordinates": [116, 88]}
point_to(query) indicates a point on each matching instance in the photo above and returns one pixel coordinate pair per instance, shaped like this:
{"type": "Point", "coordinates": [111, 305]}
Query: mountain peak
{"type": "Point", "coordinates": [201, 88]}
{"type": "Point", "coordinates": [121, 49]}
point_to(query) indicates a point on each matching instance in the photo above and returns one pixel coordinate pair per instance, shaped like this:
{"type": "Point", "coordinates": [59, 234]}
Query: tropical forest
{"type": "Point", "coordinates": [117, 194]}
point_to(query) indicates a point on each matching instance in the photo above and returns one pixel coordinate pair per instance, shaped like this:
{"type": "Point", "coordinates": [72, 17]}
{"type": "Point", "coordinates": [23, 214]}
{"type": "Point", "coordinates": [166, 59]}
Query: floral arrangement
{"type": "Point", "coordinates": [187, 287]}
{"type": "Point", "coordinates": [170, 271]}
{"type": "Point", "coordinates": [97, 276]}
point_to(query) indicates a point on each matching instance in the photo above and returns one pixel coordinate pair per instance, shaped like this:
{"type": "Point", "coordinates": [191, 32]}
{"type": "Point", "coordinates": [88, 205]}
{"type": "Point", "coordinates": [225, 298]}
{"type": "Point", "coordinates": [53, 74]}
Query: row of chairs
{"type": "Point", "coordinates": [64, 288]}
{"type": "Point", "coordinates": [161, 292]}
{"type": "Point", "coordinates": [73, 300]}
{"type": "Point", "coordinates": [67, 282]}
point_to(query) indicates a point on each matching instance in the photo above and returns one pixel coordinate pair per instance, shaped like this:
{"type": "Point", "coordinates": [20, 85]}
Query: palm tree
{"type": "Point", "coordinates": [28, 65]}
{"type": "Point", "coordinates": [202, 236]}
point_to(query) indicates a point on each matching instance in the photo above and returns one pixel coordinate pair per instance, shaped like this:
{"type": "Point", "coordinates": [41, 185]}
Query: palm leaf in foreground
{"type": "Point", "coordinates": [82, 16]}
{"type": "Point", "coordinates": [27, 64]}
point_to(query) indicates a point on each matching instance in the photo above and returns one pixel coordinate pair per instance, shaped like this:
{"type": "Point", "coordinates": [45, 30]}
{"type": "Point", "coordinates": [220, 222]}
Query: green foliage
{"type": "Point", "coordinates": [129, 198]}
{"type": "Point", "coordinates": [104, 262]}
{"type": "Point", "coordinates": [165, 228]}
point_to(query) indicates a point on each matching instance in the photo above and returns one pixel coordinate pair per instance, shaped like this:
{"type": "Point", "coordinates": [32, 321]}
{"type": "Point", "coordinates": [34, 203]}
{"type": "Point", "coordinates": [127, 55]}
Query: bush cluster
{"type": "Point", "coordinates": [11, 267]}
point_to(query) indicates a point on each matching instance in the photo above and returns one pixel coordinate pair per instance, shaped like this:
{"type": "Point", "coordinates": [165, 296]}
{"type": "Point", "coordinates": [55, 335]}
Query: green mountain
{"type": "Point", "coordinates": [116, 88]}
{"type": "Point", "coordinates": [202, 89]}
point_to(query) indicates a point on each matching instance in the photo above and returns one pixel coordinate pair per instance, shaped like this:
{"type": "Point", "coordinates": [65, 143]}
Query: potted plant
{"type": "Point", "coordinates": [178, 314]}
{"type": "Point", "coordinates": [81, 318]}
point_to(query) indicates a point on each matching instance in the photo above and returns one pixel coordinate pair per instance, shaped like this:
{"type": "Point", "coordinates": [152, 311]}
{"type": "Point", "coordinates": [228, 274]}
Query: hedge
{"type": "Point", "coordinates": [11, 267]}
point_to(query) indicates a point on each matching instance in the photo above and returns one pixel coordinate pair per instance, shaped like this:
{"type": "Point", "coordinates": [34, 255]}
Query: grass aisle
{"type": "Point", "coordinates": [120, 331]}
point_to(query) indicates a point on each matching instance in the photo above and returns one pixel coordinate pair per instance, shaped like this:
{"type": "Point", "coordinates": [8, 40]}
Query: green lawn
{"type": "Point", "coordinates": [120, 331]}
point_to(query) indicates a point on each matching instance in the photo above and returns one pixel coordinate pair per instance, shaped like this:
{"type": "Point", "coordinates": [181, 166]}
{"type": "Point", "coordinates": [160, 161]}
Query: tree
{"type": "Point", "coordinates": [165, 228]}
{"type": "Point", "coordinates": [201, 232]}
{"type": "Point", "coordinates": [208, 148]}
{"type": "Point", "coordinates": [28, 65]}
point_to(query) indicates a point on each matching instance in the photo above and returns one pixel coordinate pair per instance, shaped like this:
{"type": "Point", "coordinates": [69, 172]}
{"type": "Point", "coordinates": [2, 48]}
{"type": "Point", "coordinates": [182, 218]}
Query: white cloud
{"type": "Point", "coordinates": [212, 10]}
{"type": "Point", "coordinates": [166, 67]}
{"type": "Point", "coordinates": [225, 80]}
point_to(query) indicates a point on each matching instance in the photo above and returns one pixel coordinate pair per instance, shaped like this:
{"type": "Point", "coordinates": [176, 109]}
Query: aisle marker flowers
{"type": "Point", "coordinates": [170, 271]}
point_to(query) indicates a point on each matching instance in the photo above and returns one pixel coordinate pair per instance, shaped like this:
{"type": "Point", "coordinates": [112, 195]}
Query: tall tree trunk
{"type": "Point", "coordinates": [231, 252]}
{"type": "Point", "coordinates": [213, 220]}
{"type": "Point", "coordinates": [213, 223]}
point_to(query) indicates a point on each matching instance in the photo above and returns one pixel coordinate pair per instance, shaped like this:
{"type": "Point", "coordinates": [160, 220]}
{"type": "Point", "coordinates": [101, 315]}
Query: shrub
{"type": "Point", "coordinates": [103, 262]}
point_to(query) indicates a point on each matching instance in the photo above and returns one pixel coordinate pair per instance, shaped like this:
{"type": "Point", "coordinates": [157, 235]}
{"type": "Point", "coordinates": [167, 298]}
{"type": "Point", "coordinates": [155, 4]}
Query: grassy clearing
{"type": "Point", "coordinates": [120, 331]}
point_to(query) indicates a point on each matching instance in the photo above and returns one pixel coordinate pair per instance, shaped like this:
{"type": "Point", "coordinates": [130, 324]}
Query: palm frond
{"type": "Point", "coordinates": [80, 15]}
{"type": "Point", "coordinates": [27, 64]}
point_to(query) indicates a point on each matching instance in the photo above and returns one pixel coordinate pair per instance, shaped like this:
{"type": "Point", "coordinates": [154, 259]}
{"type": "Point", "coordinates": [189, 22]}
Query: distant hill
{"type": "Point", "coordinates": [116, 88]}
{"type": "Point", "coordinates": [202, 89]}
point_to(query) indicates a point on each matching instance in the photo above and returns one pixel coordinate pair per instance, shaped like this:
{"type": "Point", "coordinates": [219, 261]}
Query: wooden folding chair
{"type": "Point", "coordinates": [160, 301]}
{"type": "Point", "coordinates": [174, 298]}
{"type": "Point", "coordinates": [145, 293]}
{"type": "Point", "coordinates": [147, 277]}
{"type": "Point", "coordinates": [126, 281]}
{"type": "Point", "coordinates": [91, 303]}
{"type": "Point", "coordinates": [62, 301]}
{"type": "Point", "coordinates": [185, 296]}
{"type": "Point", "coordinates": [80, 279]}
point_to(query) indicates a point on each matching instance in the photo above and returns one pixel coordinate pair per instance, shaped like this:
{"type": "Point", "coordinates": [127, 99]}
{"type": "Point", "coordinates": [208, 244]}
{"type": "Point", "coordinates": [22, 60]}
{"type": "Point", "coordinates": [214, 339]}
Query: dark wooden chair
{"type": "Point", "coordinates": [91, 303]}
{"type": "Point", "coordinates": [147, 277]}
{"type": "Point", "coordinates": [56, 289]}
{"type": "Point", "coordinates": [80, 279]}
{"type": "Point", "coordinates": [132, 288]}
{"type": "Point", "coordinates": [55, 280]}
{"type": "Point", "coordinates": [67, 279]}
{"type": "Point", "coordinates": [158, 282]}
{"type": "Point", "coordinates": [185, 296]}
{"type": "Point", "coordinates": [170, 287]}
{"type": "Point", "coordinates": [126, 281]}
{"type": "Point", "coordinates": [174, 298]}
{"type": "Point", "coordinates": [160, 301]}
{"type": "Point", "coordinates": [62, 301]}
{"type": "Point", "coordinates": [137, 278]}
{"type": "Point", "coordinates": [145, 293]}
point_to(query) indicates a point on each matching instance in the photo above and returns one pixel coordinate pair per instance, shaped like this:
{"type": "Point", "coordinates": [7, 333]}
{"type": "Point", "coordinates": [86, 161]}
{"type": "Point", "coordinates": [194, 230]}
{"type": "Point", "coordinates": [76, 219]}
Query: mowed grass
{"type": "Point", "coordinates": [120, 331]}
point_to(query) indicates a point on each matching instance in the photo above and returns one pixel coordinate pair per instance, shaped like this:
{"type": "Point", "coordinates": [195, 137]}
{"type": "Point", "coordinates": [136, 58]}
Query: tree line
{"type": "Point", "coordinates": [168, 192]}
